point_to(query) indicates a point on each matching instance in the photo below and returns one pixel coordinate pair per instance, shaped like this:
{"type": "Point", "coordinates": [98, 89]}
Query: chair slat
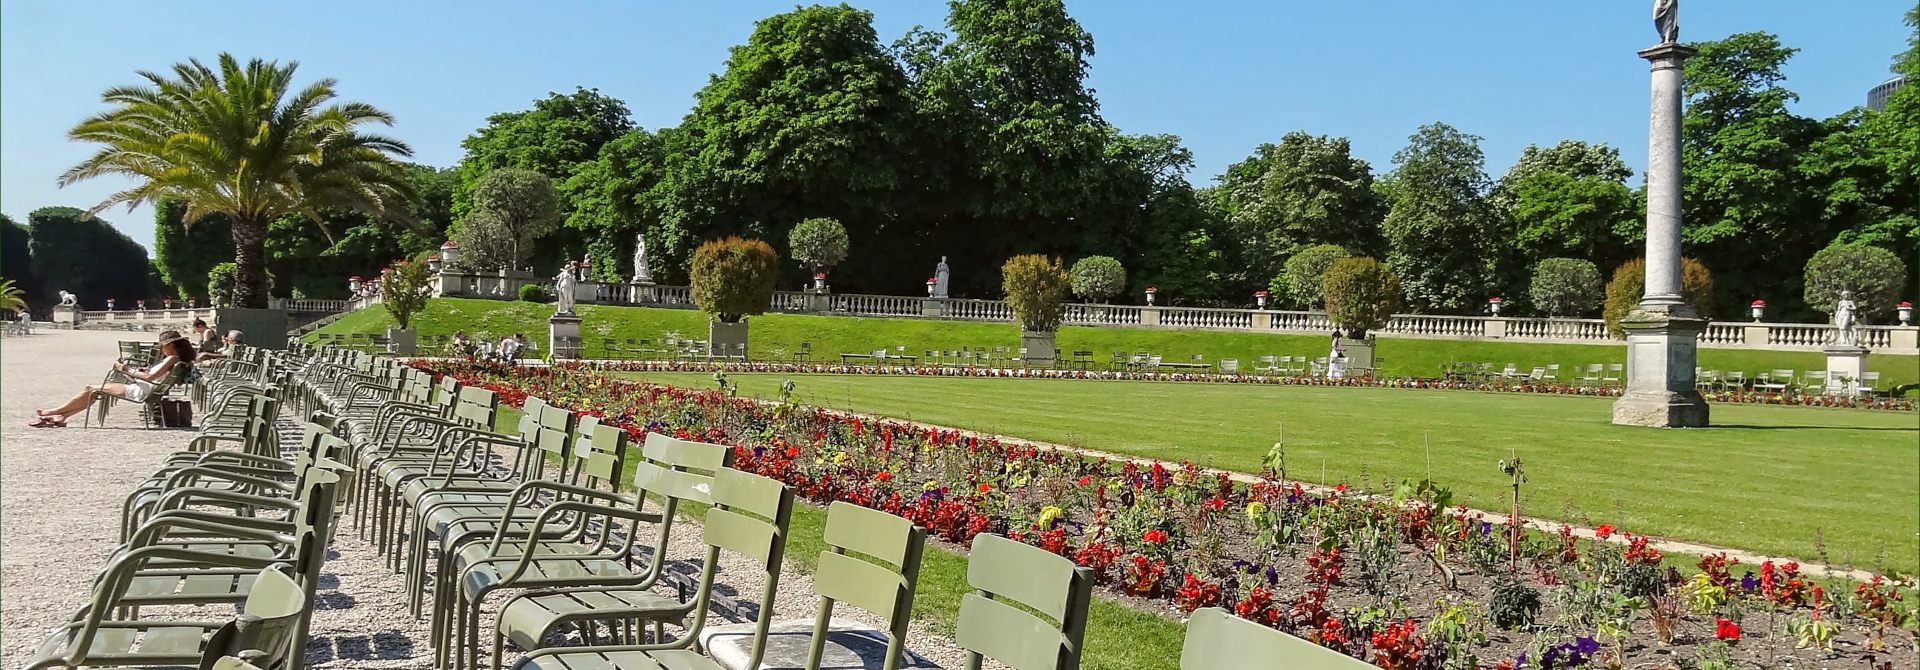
{"type": "Point", "coordinates": [1008, 634]}
{"type": "Point", "coordinates": [1028, 575]}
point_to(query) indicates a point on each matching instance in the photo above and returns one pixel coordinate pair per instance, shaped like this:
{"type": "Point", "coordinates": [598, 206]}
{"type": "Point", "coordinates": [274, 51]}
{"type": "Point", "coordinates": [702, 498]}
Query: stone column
{"type": "Point", "coordinates": [1663, 331]}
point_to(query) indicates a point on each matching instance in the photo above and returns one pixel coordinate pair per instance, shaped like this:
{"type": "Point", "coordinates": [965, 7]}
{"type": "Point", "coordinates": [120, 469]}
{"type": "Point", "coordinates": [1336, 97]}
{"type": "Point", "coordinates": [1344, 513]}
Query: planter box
{"type": "Point", "coordinates": [727, 339]}
{"type": "Point", "coordinates": [403, 342]}
{"type": "Point", "coordinates": [1039, 346]}
{"type": "Point", "coordinates": [264, 328]}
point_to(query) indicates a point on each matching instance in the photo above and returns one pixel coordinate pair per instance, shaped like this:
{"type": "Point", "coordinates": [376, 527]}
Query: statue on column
{"type": "Point", "coordinates": [940, 278]}
{"type": "Point", "coordinates": [1846, 321]}
{"type": "Point", "coordinates": [563, 290]}
{"type": "Point", "coordinates": [1666, 19]}
{"type": "Point", "coordinates": [68, 299]}
{"type": "Point", "coordinates": [640, 273]}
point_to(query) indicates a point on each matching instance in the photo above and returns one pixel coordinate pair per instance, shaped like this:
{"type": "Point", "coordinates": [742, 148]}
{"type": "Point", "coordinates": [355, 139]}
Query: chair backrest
{"type": "Point", "coordinates": [1217, 640]}
{"type": "Point", "coordinates": [269, 622]}
{"type": "Point", "coordinates": [476, 407]}
{"type": "Point", "coordinates": [598, 452]}
{"type": "Point", "coordinates": [1005, 570]}
{"type": "Point", "coordinates": [1869, 379]}
{"type": "Point", "coordinates": [1229, 365]}
{"type": "Point", "coordinates": [1781, 376]}
{"type": "Point", "coordinates": [872, 562]}
{"type": "Point", "coordinates": [749, 517]}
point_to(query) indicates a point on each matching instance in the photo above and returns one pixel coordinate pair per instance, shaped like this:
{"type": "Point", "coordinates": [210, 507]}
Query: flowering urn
{"type": "Point", "coordinates": [1758, 309]}
{"type": "Point", "coordinates": [1151, 291]}
{"type": "Point", "coordinates": [1493, 305]}
{"type": "Point", "coordinates": [1905, 310]}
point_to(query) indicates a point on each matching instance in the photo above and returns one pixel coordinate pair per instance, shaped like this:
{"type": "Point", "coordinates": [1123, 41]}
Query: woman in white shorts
{"type": "Point", "coordinates": [174, 350]}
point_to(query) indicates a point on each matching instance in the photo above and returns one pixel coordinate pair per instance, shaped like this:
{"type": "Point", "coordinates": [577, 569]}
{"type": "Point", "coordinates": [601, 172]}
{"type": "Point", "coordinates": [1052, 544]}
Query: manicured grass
{"type": "Point", "coordinates": [777, 336]}
{"type": "Point", "coordinates": [1831, 485]}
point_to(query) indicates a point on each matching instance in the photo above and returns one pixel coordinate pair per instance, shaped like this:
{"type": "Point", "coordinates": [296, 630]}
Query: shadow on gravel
{"type": "Point", "coordinates": [383, 645]}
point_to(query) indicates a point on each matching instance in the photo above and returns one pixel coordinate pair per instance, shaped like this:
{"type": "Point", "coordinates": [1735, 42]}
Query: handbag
{"type": "Point", "coordinates": [176, 413]}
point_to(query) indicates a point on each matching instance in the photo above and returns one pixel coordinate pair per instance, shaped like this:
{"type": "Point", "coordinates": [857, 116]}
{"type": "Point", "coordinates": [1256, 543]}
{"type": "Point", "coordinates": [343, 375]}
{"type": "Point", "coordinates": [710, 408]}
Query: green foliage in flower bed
{"type": "Point", "coordinates": [1762, 481]}
{"type": "Point", "coordinates": [776, 336]}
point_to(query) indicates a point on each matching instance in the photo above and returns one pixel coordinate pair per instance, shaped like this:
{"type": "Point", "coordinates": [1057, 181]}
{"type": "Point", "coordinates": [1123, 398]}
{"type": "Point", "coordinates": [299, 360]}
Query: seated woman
{"type": "Point", "coordinates": [174, 350]}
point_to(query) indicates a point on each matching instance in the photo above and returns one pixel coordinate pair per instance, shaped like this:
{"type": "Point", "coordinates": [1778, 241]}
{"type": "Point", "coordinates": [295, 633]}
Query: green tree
{"type": "Point", "coordinates": [183, 253]}
{"type": "Point", "coordinates": [12, 299]}
{"type": "Point", "coordinates": [818, 244]}
{"type": "Point", "coordinates": [1565, 287]}
{"type": "Point", "coordinates": [1569, 200]}
{"type": "Point", "coordinates": [1438, 239]}
{"type": "Point", "coordinates": [1036, 288]}
{"type": "Point", "coordinates": [16, 260]}
{"type": "Point", "coordinates": [1304, 191]}
{"type": "Point", "coordinates": [1629, 284]}
{"type": "Point", "coordinates": [1096, 278]}
{"type": "Point", "coordinates": [238, 140]}
{"type": "Point", "coordinates": [223, 284]}
{"type": "Point", "coordinates": [404, 291]}
{"type": "Point", "coordinates": [556, 136]}
{"type": "Point", "coordinates": [1305, 274]}
{"type": "Point", "coordinates": [733, 278]}
{"type": "Point", "coordinates": [1362, 294]}
{"type": "Point", "coordinates": [80, 253]}
{"type": "Point", "coordinates": [512, 209]}
{"type": "Point", "coordinates": [1748, 214]}
{"type": "Point", "coordinates": [622, 193]}
{"type": "Point", "coordinates": [1875, 276]}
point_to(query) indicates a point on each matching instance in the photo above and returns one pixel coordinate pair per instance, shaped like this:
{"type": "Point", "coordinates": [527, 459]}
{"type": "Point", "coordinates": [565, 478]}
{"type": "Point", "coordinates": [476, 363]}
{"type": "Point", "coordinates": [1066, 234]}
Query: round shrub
{"type": "Point", "coordinates": [1361, 294]}
{"type": "Point", "coordinates": [532, 293]}
{"type": "Point", "coordinates": [1565, 286]}
{"type": "Point", "coordinates": [733, 278]}
{"type": "Point", "coordinates": [818, 244]}
{"type": "Point", "coordinates": [1873, 274]}
{"type": "Point", "coordinates": [1630, 283]}
{"type": "Point", "coordinates": [1096, 278]}
{"type": "Point", "coordinates": [1036, 288]}
{"type": "Point", "coordinates": [1514, 605]}
{"type": "Point", "coordinates": [1304, 275]}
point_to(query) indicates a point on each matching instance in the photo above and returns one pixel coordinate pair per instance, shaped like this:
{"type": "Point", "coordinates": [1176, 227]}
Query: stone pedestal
{"type": "Point", "coordinates": [264, 328]}
{"type": "Point", "coordinates": [66, 316]}
{"type": "Point", "coordinates": [1660, 371]}
{"type": "Point", "coordinates": [1359, 354]}
{"type": "Point", "coordinates": [403, 342]}
{"type": "Point", "coordinates": [563, 337]}
{"type": "Point", "coordinates": [1039, 346]}
{"type": "Point", "coordinates": [818, 300]}
{"type": "Point", "coordinates": [1844, 367]}
{"type": "Point", "coordinates": [727, 339]}
{"type": "Point", "coordinates": [1149, 316]}
{"type": "Point", "coordinates": [932, 307]}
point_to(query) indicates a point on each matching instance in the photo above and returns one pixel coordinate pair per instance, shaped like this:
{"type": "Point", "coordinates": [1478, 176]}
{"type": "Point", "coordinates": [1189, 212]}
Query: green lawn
{"type": "Point", "coordinates": [1838, 486]}
{"type": "Point", "coordinates": [775, 336]}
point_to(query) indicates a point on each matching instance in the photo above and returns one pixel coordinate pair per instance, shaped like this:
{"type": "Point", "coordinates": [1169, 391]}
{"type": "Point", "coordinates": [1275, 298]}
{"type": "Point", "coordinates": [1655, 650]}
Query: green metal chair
{"type": "Point", "coordinates": [266, 630]}
{"type": "Point", "coordinates": [872, 563]}
{"type": "Point", "coordinates": [749, 518]}
{"type": "Point", "coordinates": [1217, 640]}
{"type": "Point", "coordinates": [1014, 580]}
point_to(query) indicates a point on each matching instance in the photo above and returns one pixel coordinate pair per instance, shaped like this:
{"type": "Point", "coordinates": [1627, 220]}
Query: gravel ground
{"type": "Point", "coordinates": [60, 496]}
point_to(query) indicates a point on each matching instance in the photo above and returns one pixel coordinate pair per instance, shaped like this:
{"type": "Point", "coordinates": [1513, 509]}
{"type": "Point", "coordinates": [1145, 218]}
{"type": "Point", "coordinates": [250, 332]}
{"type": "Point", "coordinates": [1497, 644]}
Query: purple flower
{"type": "Point", "coordinates": [1748, 582]}
{"type": "Point", "coordinates": [1587, 646]}
{"type": "Point", "coordinates": [1273, 576]}
{"type": "Point", "coordinates": [1486, 528]}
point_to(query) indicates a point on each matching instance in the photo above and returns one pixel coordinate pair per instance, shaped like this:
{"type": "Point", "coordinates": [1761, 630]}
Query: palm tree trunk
{"type": "Point", "coordinates": [249, 263]}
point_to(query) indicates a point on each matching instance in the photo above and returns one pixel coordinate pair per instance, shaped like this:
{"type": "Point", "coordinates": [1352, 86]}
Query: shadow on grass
{"type": "Point", "coordinates": [1746, 426]}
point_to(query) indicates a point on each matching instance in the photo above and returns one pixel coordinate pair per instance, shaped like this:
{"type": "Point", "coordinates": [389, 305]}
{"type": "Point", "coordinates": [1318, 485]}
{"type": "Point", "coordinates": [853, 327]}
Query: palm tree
{"type": "Point", "coordinates": [241, 142]}
{"type": "Point", "coordinates": [12, 299]}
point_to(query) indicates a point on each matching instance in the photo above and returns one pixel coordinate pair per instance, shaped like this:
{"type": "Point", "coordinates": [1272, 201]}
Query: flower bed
{"type": "Point", "coordinates": [1403, 581]}
{"type": "Point", "coordinates": [1519, 386]}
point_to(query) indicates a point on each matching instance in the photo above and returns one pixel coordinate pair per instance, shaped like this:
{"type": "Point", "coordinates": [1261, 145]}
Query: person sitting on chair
{"type": "Point", "coordinates": [509, 349]}
{"type": "Point", "coordinates": [462, 346]}
{"type": "Point", "coordinates": [174, 350]}
{"type": "Point", "coordinates": [212, 352]}
{"type": "Point", "coordinates": [205, 338]}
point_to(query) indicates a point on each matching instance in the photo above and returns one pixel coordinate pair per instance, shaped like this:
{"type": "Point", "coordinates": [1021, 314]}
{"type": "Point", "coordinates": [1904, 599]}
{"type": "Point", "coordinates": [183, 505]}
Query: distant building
{"type": "Point", "coordinates": [1878, 95]}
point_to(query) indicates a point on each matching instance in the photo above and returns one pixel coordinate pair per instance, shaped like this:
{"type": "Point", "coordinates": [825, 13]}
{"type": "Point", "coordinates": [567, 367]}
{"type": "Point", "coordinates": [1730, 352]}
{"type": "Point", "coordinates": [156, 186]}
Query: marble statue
{"type": "Point", "coordinates": [640, 273]}
{"type": "Point", "coordinates": [940, 278]}
{"type": "Point", "coordinates": [68, 299]}
{"type": "Point", "coordinates": [563, 290]}
{"type": "Point", "coordinates": [1666, 19]}
{"type": "Point", "coordinates": [1846, 321]}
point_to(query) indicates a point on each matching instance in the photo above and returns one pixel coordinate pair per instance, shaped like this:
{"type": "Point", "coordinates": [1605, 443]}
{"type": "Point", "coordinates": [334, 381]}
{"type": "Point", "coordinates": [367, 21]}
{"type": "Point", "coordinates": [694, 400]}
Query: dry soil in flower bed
{"type": "Point", "coordinates": [1122, 519]}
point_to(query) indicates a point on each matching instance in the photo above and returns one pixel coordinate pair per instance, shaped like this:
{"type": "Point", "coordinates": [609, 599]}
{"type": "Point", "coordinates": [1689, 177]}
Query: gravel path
{"type": "Point", "coordinates": [60, 496]}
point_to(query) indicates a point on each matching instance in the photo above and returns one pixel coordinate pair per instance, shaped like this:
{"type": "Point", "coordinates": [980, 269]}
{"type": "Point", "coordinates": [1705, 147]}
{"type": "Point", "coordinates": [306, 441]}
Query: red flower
{"type": "Point", "coordinates": [985, 487]}
{"type": "Point", "coordinates": [883, 477]}
{"type": "Point", "coordinates": [1155, 536]}
{"type": "Point", "coordinates": [1726, 630]}
{"type": "Point", "coordinates": [1604, 531]}
{"type": "Point", "coordinates": [1085, 480]}
{"type": "Point", "coordinates": [793, 452]}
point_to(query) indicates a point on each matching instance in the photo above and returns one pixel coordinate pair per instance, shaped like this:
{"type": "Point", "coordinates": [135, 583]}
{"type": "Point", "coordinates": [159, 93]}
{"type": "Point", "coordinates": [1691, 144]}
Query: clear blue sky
{"type": "Point", "coordinates": [1224, 76]}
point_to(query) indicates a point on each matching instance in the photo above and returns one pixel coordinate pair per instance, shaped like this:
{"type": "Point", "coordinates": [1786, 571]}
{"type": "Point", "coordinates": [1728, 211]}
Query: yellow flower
{"type": "Point", "coordinates": [931, 485]}
{"type": "Point", "coordinates": [1047, 515]}
{"type": "Point", "coordinates": [840, 458]}
{"type": "Point", "coordinates": [1255, 510]}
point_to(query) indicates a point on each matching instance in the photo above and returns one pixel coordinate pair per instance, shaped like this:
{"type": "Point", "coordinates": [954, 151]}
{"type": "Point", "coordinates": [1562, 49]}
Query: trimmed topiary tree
{"type": "Point", "coordinates": [1361, 295]}
{"type": "Point", "coordinates": [1096, 278]}
{"type": "Point", "coordinates": [733, 278]}
{"type": "Point", "coordinates": [818, 244]}
{"type": "Point", "coordinates": [1302, 279]}
{"type": "Point", "coordinates": [1630, 283]}
{"type": "Point", "coordinates": [1036, 288]}
{"type": "Point", "coordinates": [1873, 274]}
{"type": "Point", "coordinates": [1565, 286]}
{"type": "Point", "coordinates": [532, 293]}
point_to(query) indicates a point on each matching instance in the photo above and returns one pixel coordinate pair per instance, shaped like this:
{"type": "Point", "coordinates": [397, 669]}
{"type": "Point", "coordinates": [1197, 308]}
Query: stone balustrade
{"type": "Point", "coordinates": [1772, 336]}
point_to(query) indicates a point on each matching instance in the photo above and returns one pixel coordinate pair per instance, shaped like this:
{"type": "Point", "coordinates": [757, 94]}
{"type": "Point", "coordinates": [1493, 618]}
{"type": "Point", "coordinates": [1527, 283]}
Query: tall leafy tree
{"type": "Point", "coordinates": [184, 254]}
{"type": "Point", "coordinates": [1747, 215]}
{"type": "Point", "coordinates": [1569, 200]}
{"type": "Point", "coordinates": [512, 209]}
{"type": "Point", "coordinates": [559, 135]}
{"type": "Point", "coordinates": [1437, 231]}
{"type": "Point", "coordinates": [624, 192]}
{"type": "Point", "coordinates": [80, 253]}
{"type": "Point", "coordinates": [1306, 190]}
{"type": "Point", "coordinates": [239, 140]}
{"type": "Point", "coordinates": [16, 260]}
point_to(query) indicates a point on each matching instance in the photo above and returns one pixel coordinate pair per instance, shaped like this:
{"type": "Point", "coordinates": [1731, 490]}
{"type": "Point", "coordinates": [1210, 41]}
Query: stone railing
{"type": "Point", "coordinates": [1775, 336]}
{"type": "Point", "coordinates": [157, 317]}
{"type": "Point", "coordinates": [323, 306]}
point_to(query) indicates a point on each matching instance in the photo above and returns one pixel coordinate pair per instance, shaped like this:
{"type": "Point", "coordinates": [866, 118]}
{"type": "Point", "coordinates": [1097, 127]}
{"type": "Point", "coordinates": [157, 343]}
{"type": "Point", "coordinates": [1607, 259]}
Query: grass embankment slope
{"type": "Point", "coordinates": [1830, 485]}
{"type": "Point", "coordinates": [776, 336]}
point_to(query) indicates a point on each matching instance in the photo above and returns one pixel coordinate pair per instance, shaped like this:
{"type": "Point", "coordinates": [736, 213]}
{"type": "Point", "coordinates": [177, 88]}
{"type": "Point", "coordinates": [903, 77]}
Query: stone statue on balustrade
{"type": "Point", "coordinates": [940, 278]}
{"type": "Point", "coordinates": [1666, 19]}
{"type": "Point", "coordinates": [1846, 321]}
{"type": "Point", "coordinates": [641, 275]}
{"type": "Point", "coordinates": [563, 290]}
{"type": "Point", "coordinates": [68, 299]}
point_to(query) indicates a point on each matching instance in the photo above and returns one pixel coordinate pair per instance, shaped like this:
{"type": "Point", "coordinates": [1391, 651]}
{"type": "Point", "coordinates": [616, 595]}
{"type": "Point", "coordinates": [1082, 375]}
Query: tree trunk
{"type": "Point", "coordinates": [249, 263]}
